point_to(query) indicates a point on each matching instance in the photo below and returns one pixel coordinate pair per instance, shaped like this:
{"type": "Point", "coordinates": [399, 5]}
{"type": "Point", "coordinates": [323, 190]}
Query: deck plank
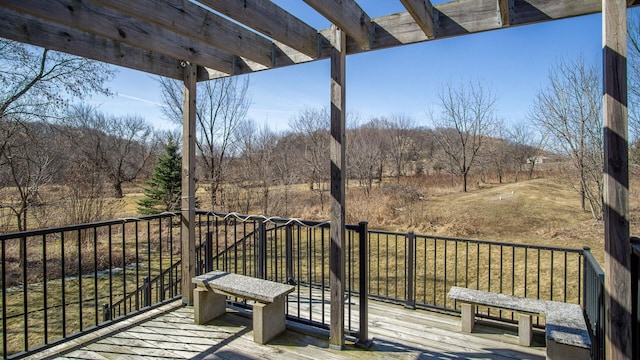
{"type": "Point", "coordinates": [170, 333]}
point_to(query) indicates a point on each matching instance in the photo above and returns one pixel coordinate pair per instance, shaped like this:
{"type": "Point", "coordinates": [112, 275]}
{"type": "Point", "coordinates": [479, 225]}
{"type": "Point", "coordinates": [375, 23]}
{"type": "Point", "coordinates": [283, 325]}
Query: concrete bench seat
{"type": "Point", "coordinates": [567, 336]}
{"type": "Point", "coordinates": [211, 293]}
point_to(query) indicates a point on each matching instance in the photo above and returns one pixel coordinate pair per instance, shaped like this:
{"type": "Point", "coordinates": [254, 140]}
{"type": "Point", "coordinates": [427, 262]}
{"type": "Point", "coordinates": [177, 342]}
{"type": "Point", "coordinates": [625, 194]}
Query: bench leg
{"type": "Point", "coordinates": [207, 305]}
{"type": "Point", "coordinates": [524, 330]}
{"type": "Point", "coordinates": [468, 317]}
{"type": "Point", "coordinates": [268, 320]}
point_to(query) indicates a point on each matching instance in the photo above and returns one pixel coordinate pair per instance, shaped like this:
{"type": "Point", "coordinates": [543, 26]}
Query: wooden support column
{"type": "Point", "coordinates": [618, 322]}
{"type": "Point", "coordinates": [188, 182]}
{"type": "Point", "coordinates": [337, 154]}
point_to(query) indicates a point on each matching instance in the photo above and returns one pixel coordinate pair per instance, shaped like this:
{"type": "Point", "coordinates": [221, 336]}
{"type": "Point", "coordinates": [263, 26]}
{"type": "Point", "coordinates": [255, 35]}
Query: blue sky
{"type": "Point", "coordinates": [513, 62]}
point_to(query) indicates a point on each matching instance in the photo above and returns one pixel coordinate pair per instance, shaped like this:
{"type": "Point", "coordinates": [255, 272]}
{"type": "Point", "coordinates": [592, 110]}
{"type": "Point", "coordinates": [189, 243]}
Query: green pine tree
{"type": "Point", "coordinates": [164, 187]}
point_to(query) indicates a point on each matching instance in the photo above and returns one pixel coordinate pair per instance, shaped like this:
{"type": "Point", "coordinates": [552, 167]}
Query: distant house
{"type": "Point", "coordinates": [539, 160]}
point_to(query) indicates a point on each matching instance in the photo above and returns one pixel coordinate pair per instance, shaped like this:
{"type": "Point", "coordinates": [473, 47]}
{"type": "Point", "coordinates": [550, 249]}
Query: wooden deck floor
{"type": "Point", "coordinates": [168, 332]}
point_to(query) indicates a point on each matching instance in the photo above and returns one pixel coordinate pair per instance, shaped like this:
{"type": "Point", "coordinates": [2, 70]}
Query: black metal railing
{"type": "Point", "coordinates": [419, 270]}
{"type": "Point", "coordinates": [415, 270]}
{"type": "Point", "coordinates": [285, 250]}
{"type": "Point", "coordinates": [59, 283]}
{"type": "Point", "coordinates": [593, 303]}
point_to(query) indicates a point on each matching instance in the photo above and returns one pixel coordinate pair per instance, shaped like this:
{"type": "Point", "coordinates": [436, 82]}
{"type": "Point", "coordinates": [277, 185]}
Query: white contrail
{"type": "Point", "coordinates": [141, 100]}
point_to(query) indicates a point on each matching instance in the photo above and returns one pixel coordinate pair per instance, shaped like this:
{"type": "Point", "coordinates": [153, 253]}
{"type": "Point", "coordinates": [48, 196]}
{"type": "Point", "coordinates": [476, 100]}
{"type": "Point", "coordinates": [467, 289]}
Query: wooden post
{"type": "Point", "coordinates": [337, 154]}
{"type": "Point", "coordinates": [618, 341]}
{"type": "Point", "coordinates": [188, 182]}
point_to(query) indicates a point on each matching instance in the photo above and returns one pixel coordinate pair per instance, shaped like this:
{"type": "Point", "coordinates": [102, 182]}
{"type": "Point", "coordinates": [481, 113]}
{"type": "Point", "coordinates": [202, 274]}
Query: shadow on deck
{"type": "Point", "coordinates": [169, 332]}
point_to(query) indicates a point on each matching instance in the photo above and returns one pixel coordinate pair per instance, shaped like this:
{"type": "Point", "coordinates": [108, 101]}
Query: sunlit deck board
{"type": "Point", "coordinates": [169, 333]}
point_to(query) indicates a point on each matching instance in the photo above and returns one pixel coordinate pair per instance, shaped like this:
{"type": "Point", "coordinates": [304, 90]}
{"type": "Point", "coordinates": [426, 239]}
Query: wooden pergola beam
{"type": "Point", "coordinates": [348, 16]}
{"type": "Point", "coordinates": [505, 12]}
{"type": "Point", "coordinates": [188, 202]}
{"type": "Point", "coordinates": [337, 152]}
{"type": "Point", "coordinates": [92, 18]}
{"type": "Point", "coordinates": [617, 259]}
{"type": "Point", "coordinates": [422, 13]}
{"type": "Point", "coordinates": [26, 29]}
{"type": "Point", "coordinates": [272, 21]}
{"type": "Point", "coordinates": [187, 19]}
{"type": "Point", "coordinates": [107, 26]}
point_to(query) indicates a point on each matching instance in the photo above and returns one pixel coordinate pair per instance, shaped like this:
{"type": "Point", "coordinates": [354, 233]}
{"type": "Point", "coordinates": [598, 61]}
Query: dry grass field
{"type": "Point", "coordinates": [543, 211]}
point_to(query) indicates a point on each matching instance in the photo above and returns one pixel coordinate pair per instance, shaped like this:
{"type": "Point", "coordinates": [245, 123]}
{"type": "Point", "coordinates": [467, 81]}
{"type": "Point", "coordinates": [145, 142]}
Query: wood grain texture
{"type": "Point", "coordinates": [188, 232]}
{"type": "Point", "coordinates": [348, 16]}
{"type": "Point", "coordinates": [505, 12]}
{"type": "Point", "coordinates": [192, 21]}
{"type": "Point", "coordinates": [27, 29]}
{"type": "Point", "coordinates": [271, 20]}
{"type": "Point", "coordinates": [422, 13]}
{"type": "Point", "coordinates": [338, 175]}
{"type": "Point", "coordinates": [105, 25]}
{"type": "Point", "coordinates": [92, 18]}
{"type": "Point", "coordinates": [618, 321]}
{"type": "Point", "coordinates": [398, 333]}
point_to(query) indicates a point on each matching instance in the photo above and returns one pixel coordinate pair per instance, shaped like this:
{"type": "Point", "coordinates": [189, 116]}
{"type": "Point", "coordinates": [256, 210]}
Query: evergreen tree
{"type": "Point", "coordinates": [164, 186]}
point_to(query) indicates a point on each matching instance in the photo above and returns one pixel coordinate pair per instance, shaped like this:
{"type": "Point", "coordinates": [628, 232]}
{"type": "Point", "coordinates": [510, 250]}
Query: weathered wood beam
{"type": "Point", "coordinates": [617, 260]}
{"type": "Point", "coordinates": [338, 175]}
{"type": "Point", "coordinates": [422, 12]}
{"type": "Point", "coordinates": [92, 18]}
{"type": "Point", "coordinates": [192, 21]}
{"type": "Point", "coordinates": [455, 18]}
{"type": "Point", "coordinates": [505, 15]}
{"type": "Point", "coordinates": [273, 21]}
{"type": "Point", "coordinates": [348, 16]}
{"type": "Point", "coordinates": [29, 30]}
{"type": "Point", "coordinates": [188, 203]}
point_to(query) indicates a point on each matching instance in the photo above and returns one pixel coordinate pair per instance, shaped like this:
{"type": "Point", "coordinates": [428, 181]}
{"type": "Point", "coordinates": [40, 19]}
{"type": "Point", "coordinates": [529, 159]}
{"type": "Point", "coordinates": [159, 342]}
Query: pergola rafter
{"type": "Point", "coordinates": [192, 21]}
{"type": "Point", "coordinates": [272, 21]}
{"type": "Point", "coordinates": [195, 40]}
{"type": "Point", "coordinates": [422, 13]}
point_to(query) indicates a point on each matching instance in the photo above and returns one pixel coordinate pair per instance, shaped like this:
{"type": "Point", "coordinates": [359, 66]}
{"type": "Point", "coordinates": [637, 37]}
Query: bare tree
{"type": "Point", "coordinates": [29, 163]}
{"type": "Point", "coordinates": [36, 84]}
{"type": "Point", "coordinates": [526, 145]}
{"type": "Point", "coordinates": [222, 105]}
{"type": "Point", "coordinates": [497, 153]}
{"type": "Point", "coordinates": [119, 148]}
{"type": "Point", "coordinates": [312, 128]}
{"type": "Point", "coordinates": [570, 109]}
{"type": "Point", "coordinates": [365, 152]}
{"type": "Point", "coordinates": [257, 153]}
{"type": "Point", "coordinates": [400, 145]}
{"type": "Point", "coordinates": [467, 116]}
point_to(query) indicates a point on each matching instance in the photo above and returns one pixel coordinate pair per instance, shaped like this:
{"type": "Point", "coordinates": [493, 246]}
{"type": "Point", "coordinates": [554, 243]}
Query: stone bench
{"type": "Point", "coordinates": [567, 336]}
{"type": "Point", "coordinates": [212, 289]}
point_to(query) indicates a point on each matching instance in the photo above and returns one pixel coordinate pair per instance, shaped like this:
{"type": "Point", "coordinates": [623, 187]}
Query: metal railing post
{"type": "Point", "coordinates": [261, 265]}
{"type": "Point", "coordinates": [106, 312]}
{"type": "Point", "coordinates": [363, 239]}
{"type": "Point", "coordinates": [411, 246]}
{"type": "Point", "coordinates": [147, 291]}
{"type": "Point", "coordinates": [208, 252]}
{"type": "Point", "coordinates": [289, 253]}
{"type": "Point", "coordinates": [585, 275]}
